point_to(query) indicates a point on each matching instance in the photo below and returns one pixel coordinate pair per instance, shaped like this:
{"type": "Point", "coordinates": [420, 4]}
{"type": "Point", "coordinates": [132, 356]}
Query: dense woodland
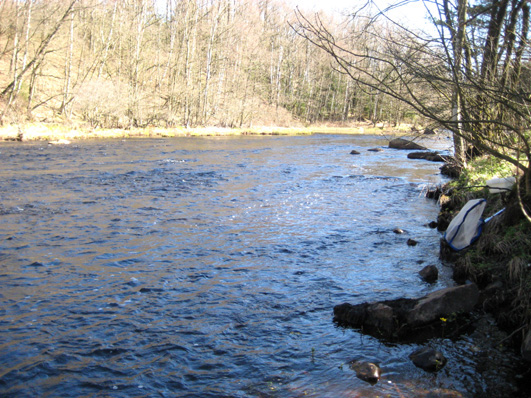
{"type": "Point", "coordinates": [134, 63]}
{"type": "Point", "coordinates": [239, 63]}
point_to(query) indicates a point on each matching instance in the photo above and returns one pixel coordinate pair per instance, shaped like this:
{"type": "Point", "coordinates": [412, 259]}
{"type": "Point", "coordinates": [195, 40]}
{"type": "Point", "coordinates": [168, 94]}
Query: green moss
{"type": "Point", "coordinates": [480, 170]}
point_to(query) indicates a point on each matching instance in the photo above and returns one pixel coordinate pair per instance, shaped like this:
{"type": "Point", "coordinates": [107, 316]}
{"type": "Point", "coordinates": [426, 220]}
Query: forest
{"type": "Point", "coordinates": [243, 63]}
{"type": "Point", "coordinates": [138, 63]}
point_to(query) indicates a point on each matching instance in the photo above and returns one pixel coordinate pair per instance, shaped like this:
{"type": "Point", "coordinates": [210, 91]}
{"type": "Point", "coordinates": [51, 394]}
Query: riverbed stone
{"type": "Point", "coordinates": [354, 152]}
{"type": "Point", "coordinates": [429, 273]}
{"type": "Point", "coordinates": [401, 143]}
{"type": "Point", "coordinates": [428, 359]}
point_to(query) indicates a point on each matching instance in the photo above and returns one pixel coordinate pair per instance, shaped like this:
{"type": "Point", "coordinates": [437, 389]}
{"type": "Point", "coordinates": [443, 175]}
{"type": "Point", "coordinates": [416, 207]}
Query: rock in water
{"type": "Point", "coordinates": [401, 143]}
{"type": "Point", "coordinates": [430, 273]}
{"type": "Point", "coordinates": [406, 319]}
{"type": "Point", "coordinates": [366, 371]}
{"type": "Point", "coordinates": [428, 359]}
{"type": "Point", "coordinates": [431, 156]}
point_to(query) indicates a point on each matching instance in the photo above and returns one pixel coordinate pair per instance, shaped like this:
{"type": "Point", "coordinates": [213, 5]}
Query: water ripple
{"type": "Point", "coordinates": [206, 267]}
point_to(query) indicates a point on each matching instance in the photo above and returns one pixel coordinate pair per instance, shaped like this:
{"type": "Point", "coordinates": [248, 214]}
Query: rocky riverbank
{"type": "Point", "coordinates": [491, 303]}
{"type": "Point", "coordinates": [499, 262]}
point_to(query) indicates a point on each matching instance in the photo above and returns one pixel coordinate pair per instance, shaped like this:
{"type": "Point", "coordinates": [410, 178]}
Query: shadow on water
{"type": "Point", "coordinates": [209, 267]}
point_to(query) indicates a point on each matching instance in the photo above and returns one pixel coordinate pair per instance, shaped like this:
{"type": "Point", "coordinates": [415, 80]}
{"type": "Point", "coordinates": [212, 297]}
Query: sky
{"type": "Point", "coordinates": [413, 13]}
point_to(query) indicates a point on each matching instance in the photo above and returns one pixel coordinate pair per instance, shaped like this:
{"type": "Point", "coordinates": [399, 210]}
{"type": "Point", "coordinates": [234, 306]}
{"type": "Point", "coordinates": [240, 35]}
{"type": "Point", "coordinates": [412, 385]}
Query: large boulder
{"type": "Point", "coordinates": [380, 316]}
{"type": "Point", "coordinates": [401, 143]}
{"type": "Point", "coordinates": [410, 319]}
{"type": "Point", "coordinates": [443, 303]}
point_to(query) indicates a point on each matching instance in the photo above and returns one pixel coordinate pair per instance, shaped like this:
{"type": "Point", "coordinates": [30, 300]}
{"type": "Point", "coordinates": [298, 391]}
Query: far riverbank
{"type": "Point", "coordinates": [58, 132]}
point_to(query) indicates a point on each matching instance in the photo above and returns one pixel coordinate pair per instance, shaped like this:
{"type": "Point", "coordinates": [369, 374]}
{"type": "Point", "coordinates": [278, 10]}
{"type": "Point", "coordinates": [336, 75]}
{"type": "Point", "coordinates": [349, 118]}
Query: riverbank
{"type": "Point", "coordinates": [499, 262]}
{"type": "Point", "coordinates": [62, 133]}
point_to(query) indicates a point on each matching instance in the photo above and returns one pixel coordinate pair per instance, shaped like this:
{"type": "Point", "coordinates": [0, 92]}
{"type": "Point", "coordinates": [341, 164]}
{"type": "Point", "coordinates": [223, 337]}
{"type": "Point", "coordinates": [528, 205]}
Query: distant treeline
{"type": "Point", "coordinates": [125, 63]}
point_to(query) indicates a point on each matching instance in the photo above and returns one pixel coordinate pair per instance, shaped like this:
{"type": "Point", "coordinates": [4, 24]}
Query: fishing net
{"type": "Point", "coordinates": [466, 227]}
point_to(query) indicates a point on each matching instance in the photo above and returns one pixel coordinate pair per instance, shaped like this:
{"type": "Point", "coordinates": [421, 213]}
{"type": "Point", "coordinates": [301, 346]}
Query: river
{"type": "Point", "coordinates": [209, 267]}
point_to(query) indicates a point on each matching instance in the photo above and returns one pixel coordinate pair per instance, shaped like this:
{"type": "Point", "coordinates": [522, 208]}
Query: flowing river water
{"type": "Point", "coordinates": [209, 267]}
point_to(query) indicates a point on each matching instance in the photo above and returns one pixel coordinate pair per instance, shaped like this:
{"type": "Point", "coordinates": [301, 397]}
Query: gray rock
{"type": "Point", "coordinates": [430, 273]}
{"type": "Point", "coordinates": [375, 150]}
{"type": "Point", "coordinates": [442, 303]}
{"type": "Point", "coordinates": [412, 242]}
{"type": "Point", "coordinates": [401, 143]}
{"type": "Point", "coordinates": [428, 359]}
{"type": "Point", "coordinates": [354, 152]}
{"type": "Point", "coordinates": [408, 319]}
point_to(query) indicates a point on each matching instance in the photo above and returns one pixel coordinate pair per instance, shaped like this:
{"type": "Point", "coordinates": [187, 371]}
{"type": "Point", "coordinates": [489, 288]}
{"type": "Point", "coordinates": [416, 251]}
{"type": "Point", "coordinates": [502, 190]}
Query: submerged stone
{"type": "Point", "coordinates": [428, 359]}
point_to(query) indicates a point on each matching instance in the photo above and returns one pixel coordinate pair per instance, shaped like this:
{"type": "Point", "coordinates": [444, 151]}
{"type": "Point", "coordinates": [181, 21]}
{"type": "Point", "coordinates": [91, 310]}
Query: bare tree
{"type": "Point", "coordinates": [439, 77]}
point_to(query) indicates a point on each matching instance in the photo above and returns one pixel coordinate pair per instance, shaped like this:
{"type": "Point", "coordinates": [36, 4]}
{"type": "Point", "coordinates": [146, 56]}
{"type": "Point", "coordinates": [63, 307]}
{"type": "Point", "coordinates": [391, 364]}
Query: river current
{"type": "Point", "coordinates": [209, 267]}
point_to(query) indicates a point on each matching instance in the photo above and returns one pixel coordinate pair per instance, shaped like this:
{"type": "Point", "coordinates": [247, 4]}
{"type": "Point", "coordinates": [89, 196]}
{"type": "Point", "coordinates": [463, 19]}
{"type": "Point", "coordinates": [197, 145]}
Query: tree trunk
{"type": "Point", "coordinates": [68, 68]}
{"type": "Point", "coordinates": [40, 52]}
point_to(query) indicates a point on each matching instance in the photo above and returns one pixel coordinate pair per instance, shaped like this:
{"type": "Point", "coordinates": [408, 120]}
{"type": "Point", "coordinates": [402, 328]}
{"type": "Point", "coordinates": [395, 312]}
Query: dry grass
{"type": "Point", "coordinates": [57, 131]}
{"type": "Point", "coordinates": [517, 268]}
